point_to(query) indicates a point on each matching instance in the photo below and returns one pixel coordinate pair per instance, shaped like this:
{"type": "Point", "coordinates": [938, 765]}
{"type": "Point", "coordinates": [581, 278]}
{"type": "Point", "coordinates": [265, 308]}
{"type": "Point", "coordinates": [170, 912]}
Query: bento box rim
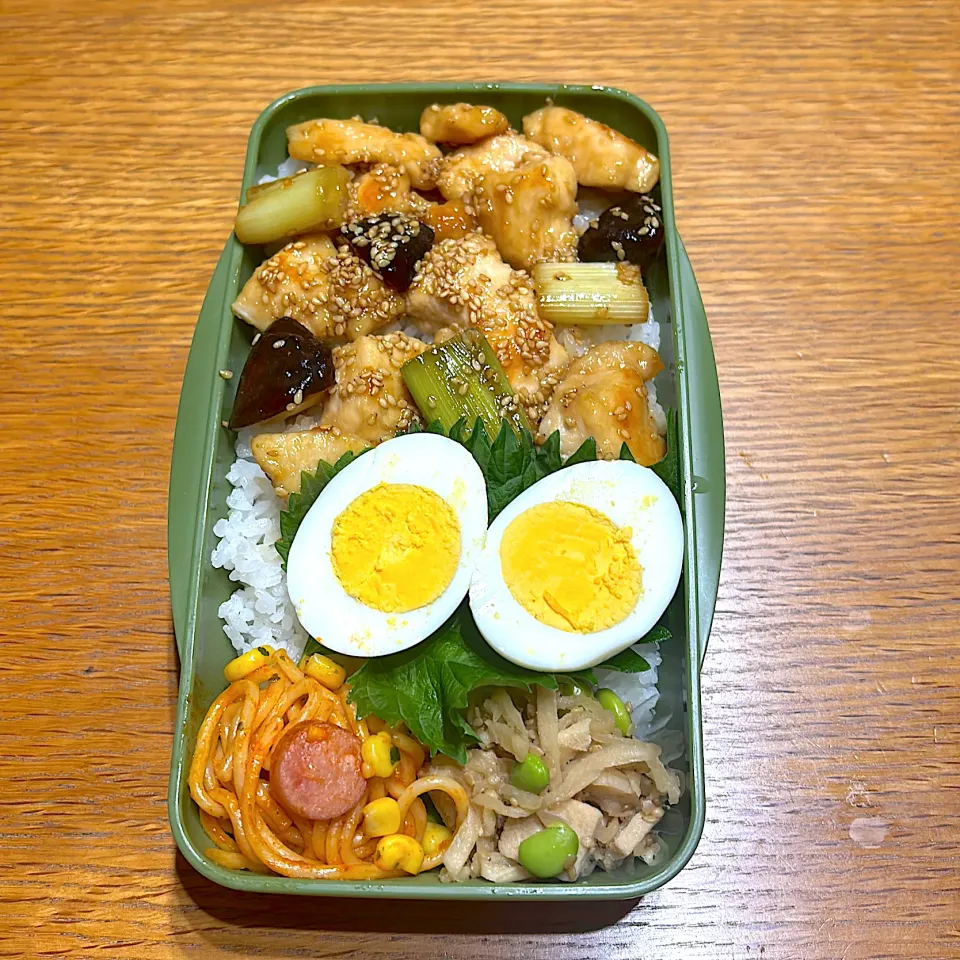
{"type": "Point", "coordinates": [240, 880]}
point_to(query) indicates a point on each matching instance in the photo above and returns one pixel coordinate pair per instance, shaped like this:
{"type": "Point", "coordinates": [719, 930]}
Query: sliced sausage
{"type": "Point", "coordinates": [315, 770]}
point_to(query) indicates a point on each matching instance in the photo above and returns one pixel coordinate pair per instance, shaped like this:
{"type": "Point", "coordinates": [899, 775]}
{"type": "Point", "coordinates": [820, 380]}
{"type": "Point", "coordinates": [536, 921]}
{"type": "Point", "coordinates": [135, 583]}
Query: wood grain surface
{"type": "Point", "coordinates": [817, 179]}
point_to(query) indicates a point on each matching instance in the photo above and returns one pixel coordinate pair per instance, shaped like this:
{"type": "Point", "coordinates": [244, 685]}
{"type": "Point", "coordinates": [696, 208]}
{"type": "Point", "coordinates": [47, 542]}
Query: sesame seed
{"type": "Point", "coordinates": [226, 374]}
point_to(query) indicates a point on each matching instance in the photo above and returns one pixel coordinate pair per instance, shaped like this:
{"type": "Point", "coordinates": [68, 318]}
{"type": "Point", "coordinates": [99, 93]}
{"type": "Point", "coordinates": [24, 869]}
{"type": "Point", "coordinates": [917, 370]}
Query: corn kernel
{"type": "Point", "coordinates": [325, 671]}
{"type": "Point", "coordinates": [246, 663]}
{"type": "Point", "coordinates": [436, 838]}
{"type": "Point", "coordinates": [381, 817]}
{"type": "Point", "coordinates": [379, 753]}
{"type": "Point", "coordinates": [399, 851]}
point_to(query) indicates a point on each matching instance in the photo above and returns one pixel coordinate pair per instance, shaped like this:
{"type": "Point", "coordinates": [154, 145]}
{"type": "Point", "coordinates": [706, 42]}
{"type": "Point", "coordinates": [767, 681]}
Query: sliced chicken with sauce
{"type": "Point", "coordinates": [370, 401]}
{"type": "Point", "coordinates": [458, 123]}
{"type": "Point", "coordinates": [284, 456]}
{"type": "Point", "coordinates": [601, 156]}
{"type": "Point", "coordinates": [287, 284]}
{"type": "Point", "coordinates": [465, 283]}
{"type": "Point", "coordinates": [604, 396]}
{"type": "Point", "coordinates": [522, 196]}
{"type": "Point", "coordinates": [334, 294]}
{"type": "Point", "coordinates": [455, 218]}
{"type": "Point", "coordinates": [384, 189]}
{"type": "Point", "coordinates": [462, 171]}
{"type": "Point", "coordinates": [354, 141]}
{"type": "Point", "coordinates": [529, 211]}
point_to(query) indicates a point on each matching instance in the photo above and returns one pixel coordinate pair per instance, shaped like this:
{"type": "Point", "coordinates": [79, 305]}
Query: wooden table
{"type": "Point", "coordinates": [818, 191]}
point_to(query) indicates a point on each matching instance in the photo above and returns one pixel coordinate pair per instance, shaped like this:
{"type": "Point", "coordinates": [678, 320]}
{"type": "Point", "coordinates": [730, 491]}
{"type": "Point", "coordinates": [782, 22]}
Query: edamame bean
{"type": "Point", "coordinates": [621, 715]}
{"type": "Point", "coordinates": [547, 852]}
{"type": "Point", "coordinates": [569, 688]}
{"type": "Point", "coordinates": [531, 774]}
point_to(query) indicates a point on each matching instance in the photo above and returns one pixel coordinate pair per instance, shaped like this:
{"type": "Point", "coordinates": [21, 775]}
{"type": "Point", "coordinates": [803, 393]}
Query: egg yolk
{"type": "Point", "coordinates": [396, 547]}
{"type": "Point", "coordinates": [570, 566]}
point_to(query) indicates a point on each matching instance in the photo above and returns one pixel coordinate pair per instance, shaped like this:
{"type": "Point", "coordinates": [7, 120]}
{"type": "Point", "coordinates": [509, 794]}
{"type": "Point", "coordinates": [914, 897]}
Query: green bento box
{"type": "Point", "coordinates": [203, 451]}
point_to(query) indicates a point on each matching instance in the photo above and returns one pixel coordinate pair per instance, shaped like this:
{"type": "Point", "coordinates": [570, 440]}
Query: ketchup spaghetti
{"type": "Point", "coordinates": [256, 820]}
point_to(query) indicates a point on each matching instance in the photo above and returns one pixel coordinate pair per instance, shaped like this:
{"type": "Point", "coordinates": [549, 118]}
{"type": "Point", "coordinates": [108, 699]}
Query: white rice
{"type": "Point", "coordinates": [286, 169]}
{"type": "Point", "coordinates": [260, 612]}
{"type": "Point", "coordinates": [639, 691]}
{"type": "Point", "coordinates": [578, 340]}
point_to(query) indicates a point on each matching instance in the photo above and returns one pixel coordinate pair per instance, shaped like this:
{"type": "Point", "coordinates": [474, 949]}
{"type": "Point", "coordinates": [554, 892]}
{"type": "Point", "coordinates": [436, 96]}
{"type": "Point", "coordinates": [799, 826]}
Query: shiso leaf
{"type": "Point", "coordinates": [510, 464]}
{"type": "Point", "coordinates": [659, 634]}
{"type": "Point", "coordinates": [549, 458]}
{"type": "Point", "coordinates": [428, 686]}
{"type": "Point", "coordinates": [586, 453]}
{"type": "Point", "coordinates": [626, 661]}
{"type": "Point", "coordinates": [668, 469]}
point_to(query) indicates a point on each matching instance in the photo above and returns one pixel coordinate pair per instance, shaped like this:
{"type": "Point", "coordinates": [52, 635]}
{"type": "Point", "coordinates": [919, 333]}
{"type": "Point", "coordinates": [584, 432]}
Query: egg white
{"type": "Point", "coordinates": [323, 607]}
{"type": "Point", "coordinates": [630, 496]}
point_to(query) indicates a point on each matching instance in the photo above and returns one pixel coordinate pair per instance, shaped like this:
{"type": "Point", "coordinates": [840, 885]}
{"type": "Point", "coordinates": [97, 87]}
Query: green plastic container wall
{"type": "Point", "coordinates": [203, 451]}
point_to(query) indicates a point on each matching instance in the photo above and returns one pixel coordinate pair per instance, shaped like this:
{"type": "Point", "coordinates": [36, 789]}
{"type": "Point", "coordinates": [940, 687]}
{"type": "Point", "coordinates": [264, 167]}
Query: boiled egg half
{"type": "Point", "coordinates": [579, 566]}
{"type": "Point", "coordinates": [386, 553]}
